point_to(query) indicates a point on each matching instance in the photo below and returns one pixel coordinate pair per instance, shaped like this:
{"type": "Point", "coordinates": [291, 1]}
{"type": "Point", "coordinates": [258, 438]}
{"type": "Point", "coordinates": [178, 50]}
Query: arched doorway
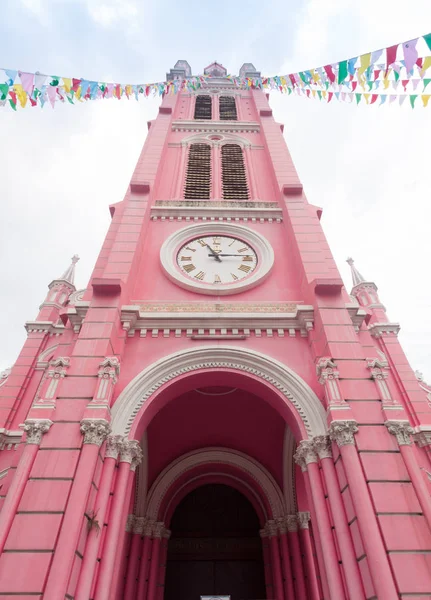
{"type": "Point", "coordinates": [215, 547]}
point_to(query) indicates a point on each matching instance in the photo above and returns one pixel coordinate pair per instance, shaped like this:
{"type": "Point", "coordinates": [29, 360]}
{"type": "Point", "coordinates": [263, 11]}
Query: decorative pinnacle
{"type": "Point", "coordinates": [356, 276]}
{"type": "Point", "coordinates": [69, 274]}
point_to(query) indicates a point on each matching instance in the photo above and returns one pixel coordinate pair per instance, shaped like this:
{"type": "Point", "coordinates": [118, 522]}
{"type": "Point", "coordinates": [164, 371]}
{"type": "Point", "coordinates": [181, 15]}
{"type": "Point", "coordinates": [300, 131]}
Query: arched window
{"type": "Point", "coordinates": [198, 177]}
{"type": "Point", "coordinates": [234, 180]}
{"type": "Point", "coordinates": [203, 108]}
{"type": "Point", "coordinates": [227, 108]}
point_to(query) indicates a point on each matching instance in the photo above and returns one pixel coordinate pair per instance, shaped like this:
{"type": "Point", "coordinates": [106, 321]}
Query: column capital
{"type": "Point", "coordinates": [113, 446]}
{"type": "Point", "coordinates": [305, 454]}
{"type": "Point", "coordinates": [109, 368]}
{"type": "Point", "coordinates": [322, 446]}
{"type": "Point", "coordinates": [35, 428]}
{"type": "Point", "coordinates": [131, 452]}
{"type": "Point", "coordinates": [402, 430]}
{"type": "Point", "coordinates": [158, 529]}
{"type": "Point", "coordinates": [130, 523]}
{"type": "Point", "coordinates": [292, 523]}
{"type": "Point", "coordinates": [303, 519]}
{"type": "Point", "coordinates": [342, 432]}
{"type": "Point", "coordinates": [271, 527]}
{"type": "Point", "coordinates": [139, 525]}
{"type": "Point", "coordinates": [148, 528]}
{"type": "Point", "coordinates": [281, 524]}
{"type": "Point", "coordinates": [95, 431]}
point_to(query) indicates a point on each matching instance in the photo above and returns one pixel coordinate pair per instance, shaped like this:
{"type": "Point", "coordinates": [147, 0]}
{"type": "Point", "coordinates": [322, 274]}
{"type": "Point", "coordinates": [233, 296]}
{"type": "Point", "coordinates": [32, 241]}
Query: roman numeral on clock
{"type": "Point", "coordinates": [217, 278]}
{"type": "Point", "coordinates": [201, 242]}
{"type": "Point", "coordinates": [190, 249]}
{"type": "Point", "coordinates": [245, 268]}
{"type": "Point", "coordinates": [243, 249]}
{"type": "Point", "coordinates": [190, 258]}
{"type": "Point", "coordinates": [247, 258]}
{"type": "Point", "coordinates": [234, 277]}
{"type": "Point", "coordinates": [189, 268]}
{"type": "Point", "coordinates": [200, 275]}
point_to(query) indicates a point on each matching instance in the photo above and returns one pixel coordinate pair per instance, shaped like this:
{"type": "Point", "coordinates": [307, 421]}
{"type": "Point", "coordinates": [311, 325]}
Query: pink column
{"type": "Point", "coordinates": [267, 563]}
{"type": "Point", "coordinates": [162, 563]}
{"type": "Point", "coordinates": [133, 563]}
{"type": "Point", "coordinates": [216, 172]}
{"type": "Point", "coordinates": [154, 564]}
{"type": "Point", "coordinates": [323, 447]}
{"type": "Point", "coordinates": [95, 431]}
{"type": "Point", "coordinates": [342, 432]}
{"type": "Point", "coordinates": [130, 451]}
{"type": "Point", "coordinates": [181, 172]}
{"type": "Point", "coordinates": [124, 540]}
{"type": "Point", "coordinates": [285, 559]}
{"type": "Point", "coordinates": [323, 582]}
{"type": "Point", "coordinates": [277, 577]}
{"type": "Point", "coordinates": [307, 550]}
{"type": "Point", "coordinates": [292, 527]}
{"type": "Point", "coordinates": [89, 560]}
{"type": "Point", "coordinates": [34, 430]}
{"type": "Point", "coordinates": [306, 457]}
{"type": "Point", "coordinates": [403, 432]}
{"type": "Point", "coordinates": [145, 560]}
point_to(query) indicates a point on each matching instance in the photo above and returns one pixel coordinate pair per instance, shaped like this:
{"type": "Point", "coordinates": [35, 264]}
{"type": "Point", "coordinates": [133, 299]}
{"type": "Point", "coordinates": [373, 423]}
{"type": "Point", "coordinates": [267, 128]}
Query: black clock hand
{"type": "Point", "coordinates": [238, 255]}
{"type": "Point", "coordinates": [216, 256]}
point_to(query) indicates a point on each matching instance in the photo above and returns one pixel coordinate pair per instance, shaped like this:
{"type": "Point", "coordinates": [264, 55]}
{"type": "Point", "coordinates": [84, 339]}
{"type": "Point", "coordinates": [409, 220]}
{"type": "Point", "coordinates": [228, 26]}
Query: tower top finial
{"type": "Point", "coordinates": [356, 276]}
{"type": "Point", "coordinates": [69, 274]}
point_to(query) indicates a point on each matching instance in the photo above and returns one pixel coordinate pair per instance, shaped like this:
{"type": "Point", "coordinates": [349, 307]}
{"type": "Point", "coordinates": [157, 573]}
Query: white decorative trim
{"type": "Point", "coordinates": [35, 428]}
{"type": "Point", "coordinates": [296, 392]}
{"type": "Point", "coordinates": [213, 320]}
{"type": "Point", "coordinates": [303, 519]}
{"type": "Point", "coordinates": [379, 329]}
{"type": "Point", "coordinates": [131, 452]}
{"type": "Point", "coordinates": [95, 431]}
{"type": "Point", "coordinates": [216, 126]}
{"type": "Point", "coordinates": [402, 430]}
{"type": "Point", "coordinates": [113, 446]}
{"type": "Point", "coordinates": [322, 446]}
{"type": "Point", "coordinates": [214, 456]}
{"type": "Point", "coordinates": [305, 454]}
{"type": "Point", "coordinates": [343, 432]}
{"type": "Point", "coordinates": [43, 358]}
{"type": "Point", "coordinates": [76, 297]}
{"type": "Point", "coordinates": [76, 314]}
{"type": "Point", "coordinates": [357, 315]}
{"type": "Point", "coordinates": [292, 523]}
{"type": "Point", "coordinates": [216, 214]}
{"type": "Point", "coordinates": [10, 439]}
{"type": "Point", "coordinates": [44, 327]}
{"type": "Point", "coordinates": [422, 435]}
{"type": "Point", "coordinates": [263, 248]}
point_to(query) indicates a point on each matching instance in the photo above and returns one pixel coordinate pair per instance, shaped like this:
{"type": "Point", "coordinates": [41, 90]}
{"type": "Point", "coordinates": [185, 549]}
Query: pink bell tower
{"type": "Point", "coordinates": [214, 415]}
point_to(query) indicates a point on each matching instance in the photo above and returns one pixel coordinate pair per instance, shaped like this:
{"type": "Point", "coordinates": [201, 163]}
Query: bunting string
{"type": "Point", "coordinates": [383, 76]}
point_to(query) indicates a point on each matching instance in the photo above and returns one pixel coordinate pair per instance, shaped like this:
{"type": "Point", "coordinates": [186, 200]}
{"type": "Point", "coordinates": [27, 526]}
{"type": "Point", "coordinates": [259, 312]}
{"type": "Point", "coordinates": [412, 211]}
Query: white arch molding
{"type": "Point", "coordinates": [213, 457]}
{"type": "Point", "coordinates": [296, 392]}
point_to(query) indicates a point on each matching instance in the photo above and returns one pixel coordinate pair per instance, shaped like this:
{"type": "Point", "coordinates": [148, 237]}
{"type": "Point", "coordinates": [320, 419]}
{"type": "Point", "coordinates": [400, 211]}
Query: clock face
{"type": "Point", "coordinates": [216, 259]}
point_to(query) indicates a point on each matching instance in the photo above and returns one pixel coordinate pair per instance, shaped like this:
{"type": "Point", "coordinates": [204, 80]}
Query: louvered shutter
{"type": "Point", "coordinates": [234, 179]}
{"type": "Point", "coordinates": [227, 108]}
{"type": "Point", "coordinates": [198, 177]}
{"type": "Point", "coordinates": [203, 108]}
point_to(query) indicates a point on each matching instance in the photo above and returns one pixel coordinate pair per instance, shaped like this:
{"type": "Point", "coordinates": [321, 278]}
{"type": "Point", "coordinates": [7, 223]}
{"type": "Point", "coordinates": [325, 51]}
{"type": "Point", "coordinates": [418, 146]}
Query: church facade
{"type": "Point", "coordinates": [214, 415]}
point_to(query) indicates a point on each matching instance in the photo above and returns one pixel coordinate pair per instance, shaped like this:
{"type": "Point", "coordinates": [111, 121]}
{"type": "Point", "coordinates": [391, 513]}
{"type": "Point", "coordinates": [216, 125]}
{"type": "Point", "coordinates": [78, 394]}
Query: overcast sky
{"type": "Point", "coordinates": [368, 167]}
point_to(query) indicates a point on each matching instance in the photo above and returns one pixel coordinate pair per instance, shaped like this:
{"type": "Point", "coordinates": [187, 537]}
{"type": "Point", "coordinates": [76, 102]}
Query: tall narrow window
{"type": "Point", "coordinates": [203, 108]}
{"type": "Point", "coordinates": [228, 108]}
{"type": "Point", "coordinates": [234, 179]}
{"type": "Point", "coordinates": [198, 177]}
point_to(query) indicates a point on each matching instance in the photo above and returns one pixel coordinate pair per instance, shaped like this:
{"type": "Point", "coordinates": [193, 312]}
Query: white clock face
{"type": "Point", "coordinates": [217, 259]}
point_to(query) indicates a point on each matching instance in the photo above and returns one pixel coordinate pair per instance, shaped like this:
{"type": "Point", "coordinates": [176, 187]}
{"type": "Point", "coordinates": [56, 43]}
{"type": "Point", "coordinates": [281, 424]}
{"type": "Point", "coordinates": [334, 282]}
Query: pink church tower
{"type": "Point", "coordinates": [214, 415]}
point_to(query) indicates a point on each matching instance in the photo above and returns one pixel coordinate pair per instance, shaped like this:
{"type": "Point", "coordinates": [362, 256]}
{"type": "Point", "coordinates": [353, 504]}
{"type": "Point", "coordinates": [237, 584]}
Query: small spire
{"type": "Point", "coordinates": [356, 276]}
{"type": "Point", "coordinates": [69, 274]}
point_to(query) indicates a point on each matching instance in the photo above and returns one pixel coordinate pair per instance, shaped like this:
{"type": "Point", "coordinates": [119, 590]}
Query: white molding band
{"type": "Point", "coordinates": [255, 240]}
{"type": "Point", "coordinates": [213, 456]}
{"type": "Point", "coordinates": [301, 399]}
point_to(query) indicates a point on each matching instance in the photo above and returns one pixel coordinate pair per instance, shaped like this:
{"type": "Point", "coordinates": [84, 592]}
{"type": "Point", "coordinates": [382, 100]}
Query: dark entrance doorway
{"type": "Point", "coordinates": [215, 548]}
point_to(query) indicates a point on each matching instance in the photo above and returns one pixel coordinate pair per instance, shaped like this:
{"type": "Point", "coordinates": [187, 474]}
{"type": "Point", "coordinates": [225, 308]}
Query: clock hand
{"type": "Point", "coordinates": [238, 255]}
{"type": "Point", "coordinates": [216, 256]}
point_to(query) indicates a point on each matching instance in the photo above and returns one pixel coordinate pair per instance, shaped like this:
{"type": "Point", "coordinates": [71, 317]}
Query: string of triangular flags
{"type": "Point", "coordinates": [382, 76]}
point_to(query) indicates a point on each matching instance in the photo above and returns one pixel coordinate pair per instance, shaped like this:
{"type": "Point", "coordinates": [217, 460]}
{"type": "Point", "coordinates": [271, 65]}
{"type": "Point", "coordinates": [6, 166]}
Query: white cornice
{"type": "Point", "coordinates": [215, 319]}
{"type": "Point", "coordinates": [76, 314]}
{"type": "Point", "coordinates": [216, 213]}
{"type": "Point", "coordinates": [357, 314]}
{"type": "Point", "coordinates": [9, 440]}
{"type": "Point", "coordinates": [43, 326]}
{"type": "Point", "coordinates": [378, 329]}
{"type": "Point", "coordinates": [216, 126]}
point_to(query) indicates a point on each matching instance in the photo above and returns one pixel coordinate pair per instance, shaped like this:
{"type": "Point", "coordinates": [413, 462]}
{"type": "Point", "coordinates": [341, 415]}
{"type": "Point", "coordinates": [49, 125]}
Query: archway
{"type": "Point", "coordinates": [215, 548]}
